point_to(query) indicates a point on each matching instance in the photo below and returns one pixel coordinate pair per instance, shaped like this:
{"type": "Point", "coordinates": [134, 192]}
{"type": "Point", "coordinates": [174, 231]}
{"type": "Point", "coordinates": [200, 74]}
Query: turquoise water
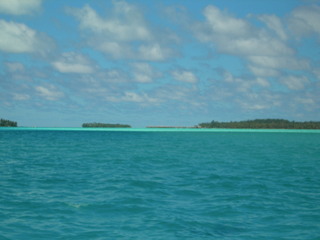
{"type": "Point", "coordinates": [148, 184]}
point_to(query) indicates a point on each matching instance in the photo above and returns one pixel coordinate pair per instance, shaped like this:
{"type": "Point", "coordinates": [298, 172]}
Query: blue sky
{"type": "Point", "coordinates": [144, 63]}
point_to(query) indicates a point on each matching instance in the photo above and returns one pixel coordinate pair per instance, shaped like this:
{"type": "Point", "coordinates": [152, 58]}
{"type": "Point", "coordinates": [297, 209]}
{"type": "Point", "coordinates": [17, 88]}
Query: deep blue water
{"type": "Point", "coordinates": [159, 185]}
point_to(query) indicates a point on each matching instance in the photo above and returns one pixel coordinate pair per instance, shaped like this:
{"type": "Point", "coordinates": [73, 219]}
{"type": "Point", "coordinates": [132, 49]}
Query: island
{"type": "Point", "coordinates": [263, 124]}
{"type": "Point", "coordinates": [105, 125]}
{"type": "Point", "coordinates": [168, 127]}
{"type": "Point", "coordinates": [7, 123]}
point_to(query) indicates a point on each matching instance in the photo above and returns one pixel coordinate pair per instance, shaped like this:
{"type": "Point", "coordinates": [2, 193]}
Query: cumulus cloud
{"type": "Point", "coordinates": [305, 20]}
{"type": "Point", "coordinates": [262, 82]}
{"type": "Point", "coordinates": [176, 92]}
{"type": "Point", "coordinates": [124, 33]}
{"type": "Point", "coordinates": [225, 24]}
{"type": "Point", "coordinates": [128, 96]}
{"type": "Point", "coordinates": [126, 24]}
{"type": "Point", "coordinates": [19, 7]}
{"type": "Point", "coordinates": [71, 62]}
{"type": "Point", "coordinates": [134, 97]}
{"type": "Point", "coordinates": [154, 52]}
{"type": "Point", "coordinates": [265, 49]}
{"type": "Point", "coordinates": [21, 96]}
{"type": "Point", "coordinates": [144, 72]}
{"type": "Point", "coordinates": [115, 49]}
{"type": "Point", "coordinates": [113, 76]}
{"type": "Point", "coordinates": [305, 100]}
{"type": "Point", "coordinates": [251, 40]}
{"type": "Point", "coordinates": [277, 63]}
{"type": "Point", "coordinates": [295, 82]}
{"type": "Point", "coordinates": [259, 101]}
{"type": "Point", "coordinates": [184, 76]}
{"type": "Point", "coordinates": [242, 85]}
{"type": "Point", "coordinates": [49, 92]}
{"type": "Point", "coordinates": [19, 38]}
{"type": "Point", "coordinates": [15, 67]}
{"type": "Point", "coordinates": [263, 71]}
{"type": "Point", "coordinates": [316, 73]}
{"type": "Point", "coordinates": [275, 24]}
{"type": "Point", "coordinates": [237, 36]}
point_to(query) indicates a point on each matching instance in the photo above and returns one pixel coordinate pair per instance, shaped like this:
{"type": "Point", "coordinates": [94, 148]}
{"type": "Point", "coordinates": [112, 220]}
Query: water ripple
{"type": "Point", "coordinates": [159, 185]}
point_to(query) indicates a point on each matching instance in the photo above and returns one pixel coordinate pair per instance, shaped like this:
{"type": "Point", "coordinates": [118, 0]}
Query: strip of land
{"type": "Point", "coordinates": [262, 124]}
{"type": "Point", "coordinates": [248, 124]}
{"type": "Point", "coordinates": [7, 123]}
{"type": "Point", "coordinates": [105, 125]}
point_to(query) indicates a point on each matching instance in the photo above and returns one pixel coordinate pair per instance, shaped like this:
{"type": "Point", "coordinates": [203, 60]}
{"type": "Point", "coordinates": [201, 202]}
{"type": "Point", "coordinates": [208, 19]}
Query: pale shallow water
{"type": "Point", "coordinates": [167, 184]}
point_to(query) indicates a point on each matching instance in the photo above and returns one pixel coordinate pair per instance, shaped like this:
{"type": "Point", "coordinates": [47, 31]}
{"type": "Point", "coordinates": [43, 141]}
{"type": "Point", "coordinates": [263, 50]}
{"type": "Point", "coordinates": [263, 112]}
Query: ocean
{"type": "Point", "coordinates": [159, 184]}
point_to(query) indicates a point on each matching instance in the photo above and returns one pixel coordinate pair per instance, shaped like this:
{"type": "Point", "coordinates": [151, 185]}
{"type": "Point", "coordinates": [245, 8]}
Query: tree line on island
{"type": "Point", "coordinates": [7, 123]}
{"type": "Point", "coordinates": [262, 124]}
{"type": "Point", "coordinates": [249, 124]}
{"type": "Point", "coordinates": [105, 125]}
{"type": "Point", "coordinates": [253, 124]}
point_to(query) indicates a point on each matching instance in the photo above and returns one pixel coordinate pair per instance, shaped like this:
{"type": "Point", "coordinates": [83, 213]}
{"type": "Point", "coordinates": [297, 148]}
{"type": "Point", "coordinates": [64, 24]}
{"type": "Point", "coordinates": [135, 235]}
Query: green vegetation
{"type": "Point", "coordinates": [263, 124]}
{"type": "Point", "coordinates": [105, 125]}
{"type": "Point", "coordinates": [7, 123]}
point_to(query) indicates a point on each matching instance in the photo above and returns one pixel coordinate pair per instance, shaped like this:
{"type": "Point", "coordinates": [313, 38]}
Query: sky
{"type": "Point", "coordinates": [168, 62]}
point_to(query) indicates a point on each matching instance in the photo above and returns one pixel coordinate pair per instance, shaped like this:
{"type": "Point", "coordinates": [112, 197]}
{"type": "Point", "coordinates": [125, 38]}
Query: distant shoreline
{"type": "Point", "coordinates": [262, 124]}
{"type": "Point", "coordinates": [105, 125]}
{"type": "Point", "coordinates": [186, 130]}
{"type": "Point", "coordinates": [169, 127]}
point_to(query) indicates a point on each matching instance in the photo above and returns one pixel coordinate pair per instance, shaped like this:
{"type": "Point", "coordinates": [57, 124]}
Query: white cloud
{"type": "Point", "coordinates": [134, 97]}
{"type": "Point", "coordinates": [221, 26]}
{"type": "Point", "coordinates": [126, 24]}
{"type": "Point", "coordinates": [263, 71]}
{"type": "Point", "coordinates": [15, 67]}
{"type": "Point", "coordinates": [265, 49]}
{"type": "Point", "coordinates": [19, 7]}
{"type": "Point", "coordinates": [129, 96]}
{"type": "Point", "coordinates": [177, 93]}
{"type": "Point", "coordinates": [21, 96]}
{"type": "Point", "coordinates": [255, 46]}
{"type": "Point", "coordinates": [242, 84]}
{"type": "Point", "coordinates": [274, 23]}
{"type": "Point", "coordinates": [280, 62]}
{"type": "Point", "coordinates": [19, 38]}
{"type": "Point", "coordinates": [184, 76]}
{"type": "Point", "coordinates": [115, 49]}
{"type": "Point", "coordinates": [316, 72]}
{"type": "Point", "coordinates": [295, 82]}
{"type": "Point", "coordinates": [237, 36]}
{"type": "Point", "coordinates": [262, 82]}
{"type": "Point", "coordinates": [123, 33]}
{"type": "Point", "coordinates": [148, 51]}
{"type": "Point", "coordinates": [259, 101]}
{"type": "Point", "coordinates": [305, 20]}
{"type": "Point", "coordinates": [49, 92]}
{"type": "Point", "coordinates": [114, 76]}
{"type": "Point", "coordinates": [306, 101]}
{"type": "Point", "coordinates": [254, 106]}
{"type": "Point", "coordinates": [153, 52]}
{"type": "Point", "coordinates": [71, 62]}
{"type": "Point", "coordinates": [144, 72]}
{"type": "Point", "coordinates": [223, 23]}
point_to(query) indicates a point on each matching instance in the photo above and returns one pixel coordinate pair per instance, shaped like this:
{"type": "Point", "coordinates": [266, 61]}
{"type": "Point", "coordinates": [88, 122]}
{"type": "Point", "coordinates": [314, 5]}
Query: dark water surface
{"type": "Point", "coordinates": [159, 185]}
